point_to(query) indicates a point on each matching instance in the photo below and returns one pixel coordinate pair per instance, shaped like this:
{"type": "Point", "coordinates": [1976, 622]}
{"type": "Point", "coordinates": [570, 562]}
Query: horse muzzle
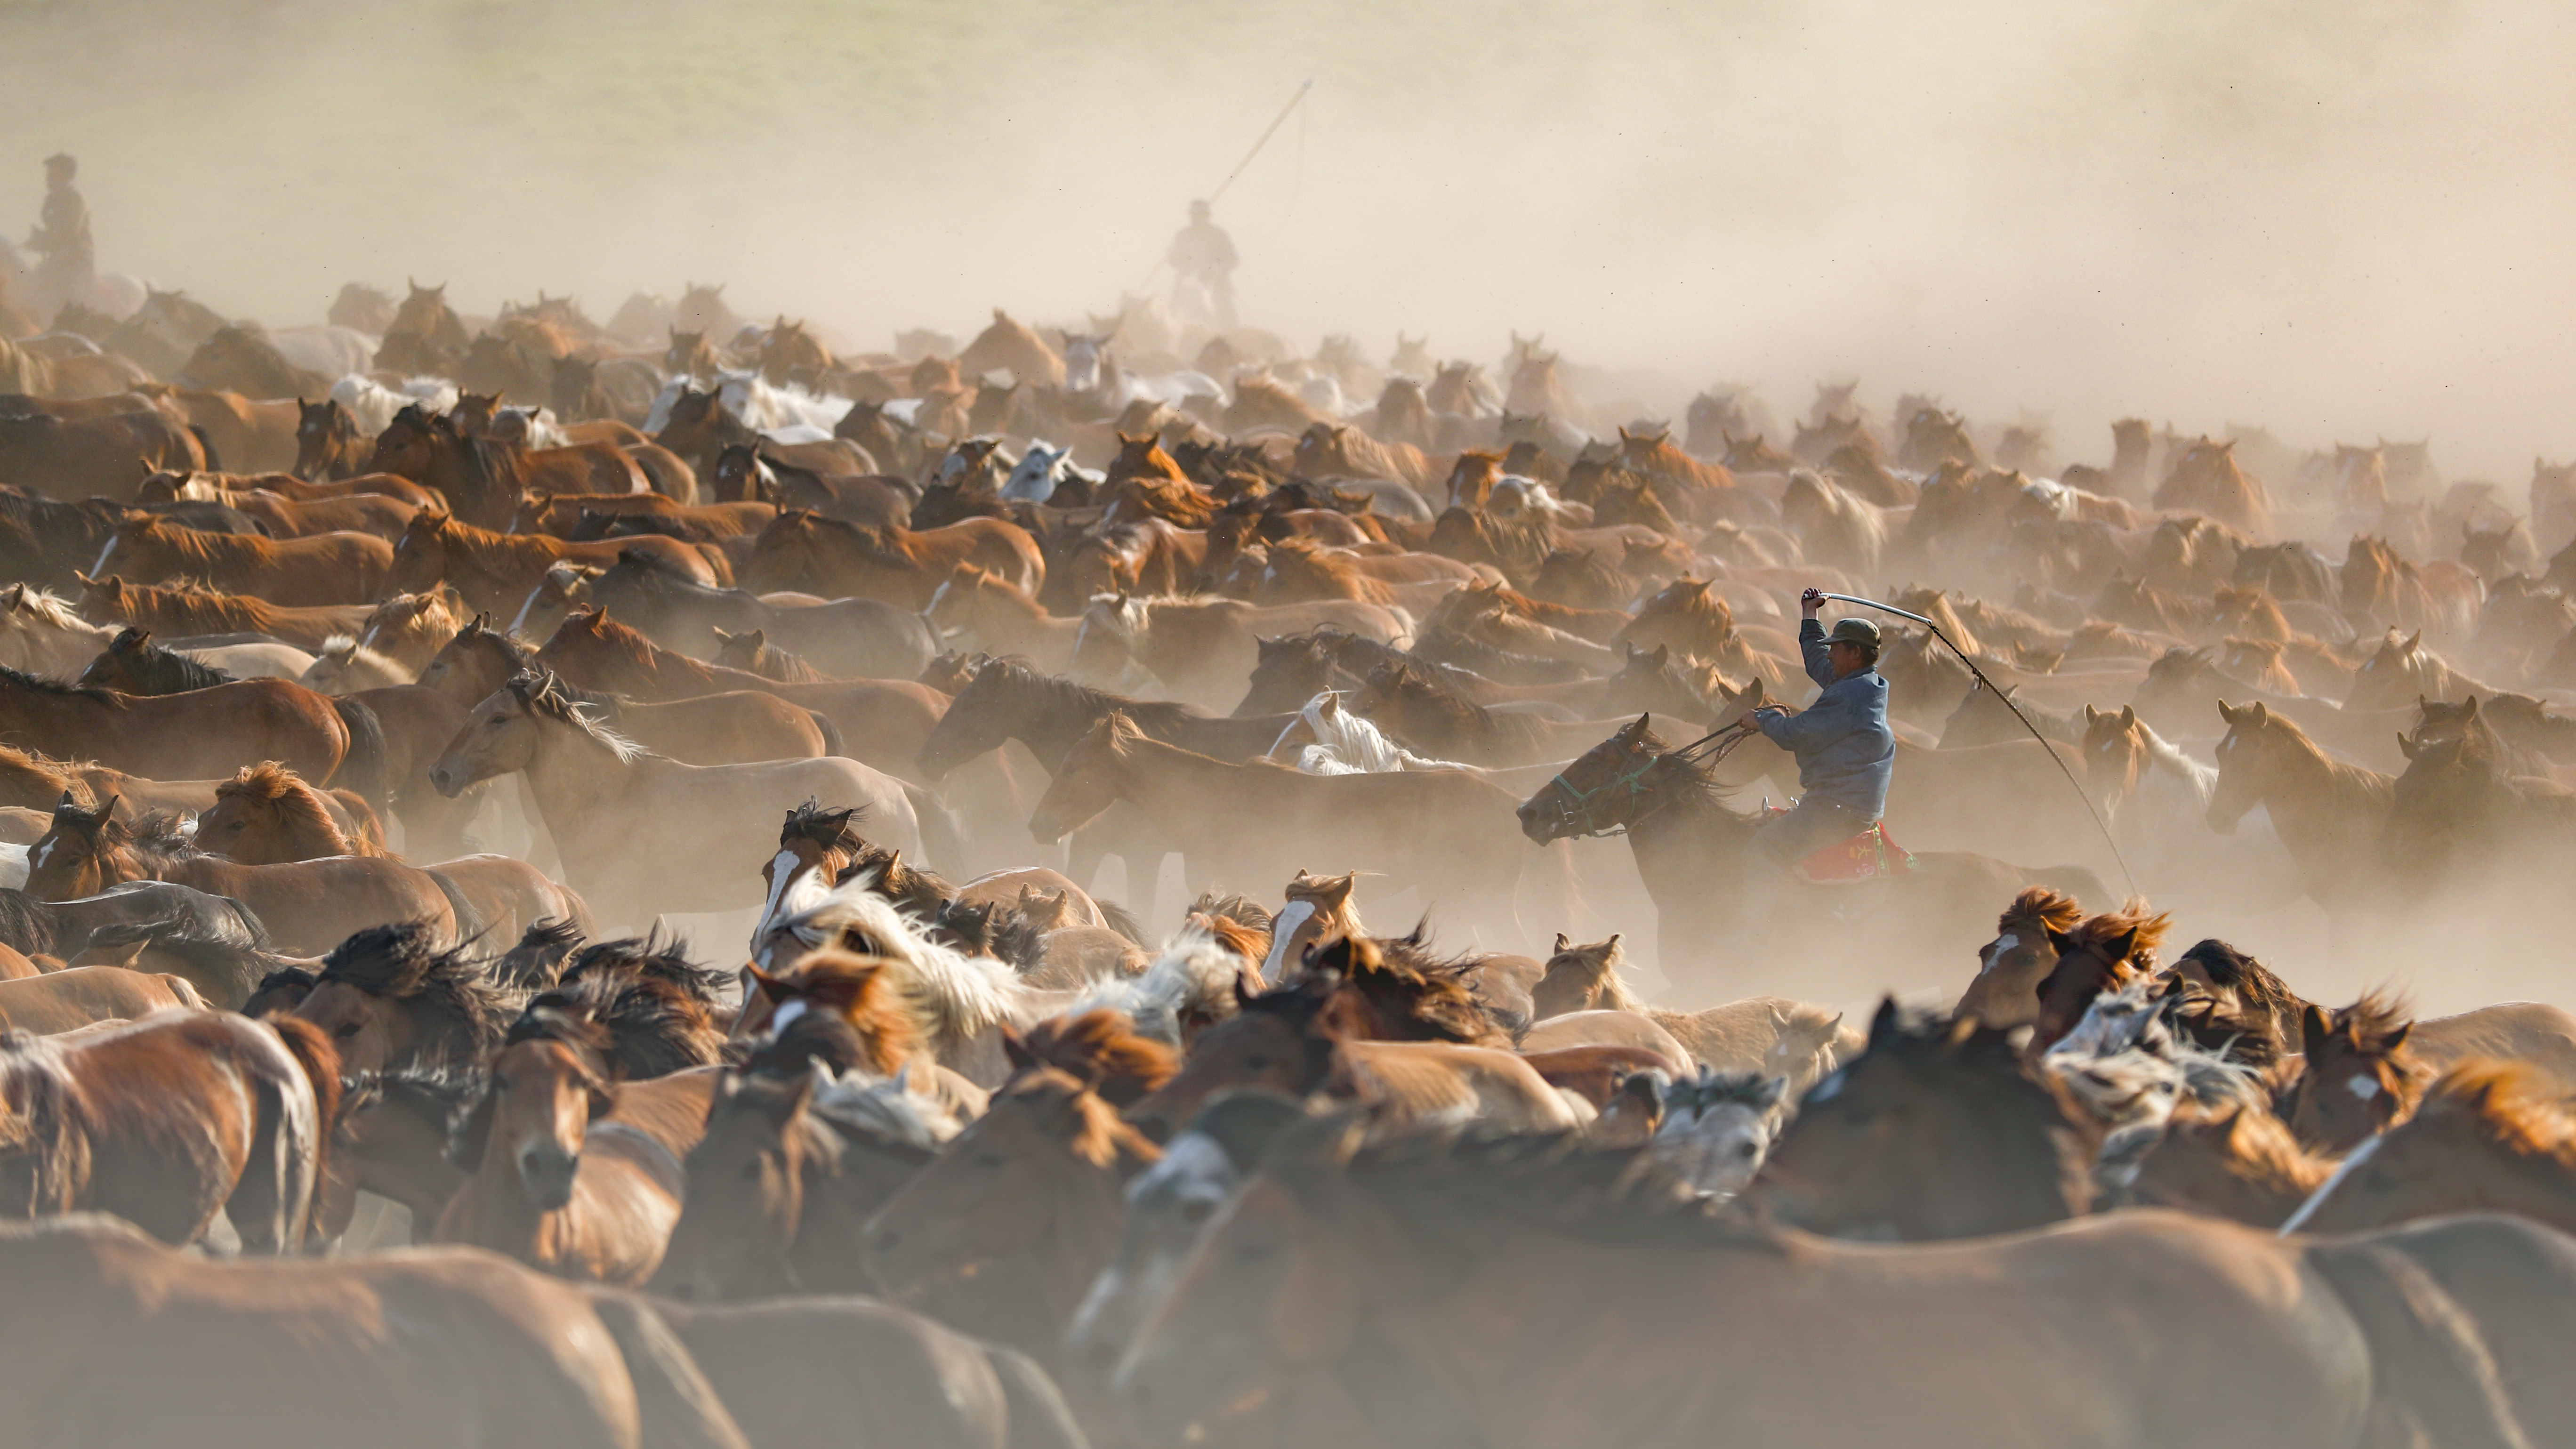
{"type": "Point", "coordinates": [546, 1172]}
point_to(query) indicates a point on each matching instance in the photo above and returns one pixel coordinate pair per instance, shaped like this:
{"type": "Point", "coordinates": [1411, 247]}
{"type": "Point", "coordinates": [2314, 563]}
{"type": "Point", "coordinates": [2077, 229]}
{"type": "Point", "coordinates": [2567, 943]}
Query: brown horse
{"type": "Point", "coordinates": [878, 719]}
{"type": "Point", "coordinates": [493, 572]}
{"type": "Point", "coordinates": [202, 734]}
{"type": "Point", "coordinates": [308, 906]}
{"type": "Point", "coordinates": [287, 516]}
{"type": "Point", "coordinates": [2486, 1137]}
{"type": "Point", "coordinates": [187, 610]}
{"type": "Point", "coordinates": [166, 1123]}
{"type": "Point", "coordinates": [324, 569]}
{"type": "Point", "coordinates": [217, 1338]}
{"type": "Point", "coordinates": [1203, 648]}
{"type": "Point", "coordinates": [2098, 954]}
{"type": "Point", "coordinates": [2005, 993]}
{"type": "Point", "coordinates": [482, 478]}
{"type": "Point", "coordinates": [2205, 478]}
{"type": "Point", "coordinates": [1000, 618]}
{"type": "Point", "coordinates": [1014, 347]}
{"type": "Point", "coordinates": [410, 628]}
{"type": "Point", "coordinates": [1320, 1253]}
{"type": "Point", "coordinates": [1312, 1035]}
{"type": "Point", "coordinates": [393, 997]}
{"type": "Point", "coordinates": [563, 1180]}
{"type": "Point", "coordinates": [2329, 814]}
{"type": "Point", "coordinates": [2356, 1075]}
{"type": "Point", "coordinates": [807, 551]}
{"type": "Point", "coordinates": [54, 1002]}
{"type": "Point", "coordinates": [1041, 1172]}
{"type": "Point", "coordinates": [267, 814]}
{"type": "Point", "coordinates": [609, 804]}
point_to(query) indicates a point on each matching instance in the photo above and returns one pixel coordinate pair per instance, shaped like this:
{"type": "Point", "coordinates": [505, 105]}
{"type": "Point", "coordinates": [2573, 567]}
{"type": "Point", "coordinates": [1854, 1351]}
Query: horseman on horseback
{"type": "Point", "coordinates": [1845, 750]}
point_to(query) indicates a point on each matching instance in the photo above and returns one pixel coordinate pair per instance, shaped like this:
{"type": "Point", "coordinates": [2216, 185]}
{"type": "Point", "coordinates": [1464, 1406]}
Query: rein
{"type": "Point", "coordinates": [1707, 749]}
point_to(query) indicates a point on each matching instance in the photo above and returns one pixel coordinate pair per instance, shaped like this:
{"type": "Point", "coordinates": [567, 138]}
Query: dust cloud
{"type": "Point", "coordinates": [2333, 221]}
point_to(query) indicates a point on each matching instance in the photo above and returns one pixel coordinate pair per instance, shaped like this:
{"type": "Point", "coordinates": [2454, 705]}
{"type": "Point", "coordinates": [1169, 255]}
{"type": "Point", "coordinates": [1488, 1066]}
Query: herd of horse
{"type": "Point", "coordinates": [371, 731]}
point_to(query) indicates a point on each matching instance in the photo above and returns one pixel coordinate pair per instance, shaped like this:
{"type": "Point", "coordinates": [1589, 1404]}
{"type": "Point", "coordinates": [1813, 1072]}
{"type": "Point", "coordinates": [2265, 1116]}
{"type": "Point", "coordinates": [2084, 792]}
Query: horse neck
{"type": "Point", "coordinates": [1180, 789]}
{"type": "Point", "coordinates": [2164, 762]}
{"type": "Point", "coordinates": [1081, 1234]}
{"type": "Point", "coordinates": [572, 774]}
{"type": "Point", "coordinates": [2318, 790]}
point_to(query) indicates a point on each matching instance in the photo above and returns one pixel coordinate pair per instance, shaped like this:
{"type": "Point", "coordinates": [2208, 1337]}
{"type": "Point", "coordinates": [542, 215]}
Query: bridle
{"type": "Point", "coordinates": [1627, 785]}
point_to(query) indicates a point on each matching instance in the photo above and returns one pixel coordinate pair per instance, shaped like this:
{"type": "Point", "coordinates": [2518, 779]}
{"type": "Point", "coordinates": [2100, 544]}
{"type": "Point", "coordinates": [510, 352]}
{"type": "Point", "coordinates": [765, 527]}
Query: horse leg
{"type": "Point", "coordinates": [271, 1200]}
{"type": "Point", "coordinates": [433, 826]}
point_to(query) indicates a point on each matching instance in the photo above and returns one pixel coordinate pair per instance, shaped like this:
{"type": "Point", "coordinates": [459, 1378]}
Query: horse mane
{"type": "Point", "coordinates": [1057, 693]}
{"type": "Point", "coordinates": [60, 690]}
{"type": "Point", "coordinates": [863, 993]}
{"type": "Point", "coordinates": [2098, 934]}
{"type": "Point", "coordinates": [832, 829]}
{"type": "Point", "coordinates": [401, 961]}
{"type": "Point", "coordinates": [955, 996]}
{"type": "Point", "coordinates": [538, 958]}
{"type": "Point", "coordinates": [298, 805]}
{"type": "Point", "coordinates": [920, 891]}
{"type": "Point", "coordinates": [1176, 500]}
{"type": "Point", "coordinates": [652, 956]}
{"type": "Point", "coordinates": [51, 609]}
{"type": "Point", "coordinates": [1426, 998]}
{"type": "Point", "coordinates": [1599, 969]}
{"type": "Point", "coordinates": [2508, 1103]}
{"type": "Point", "coordinates": [594, 621]}
{"type": "Point", "coordinates": [26, 923]}
{"type": "Point", "coordinates": [57, 775]}
{"type": "Point", "coordinates": [540, 690]}
{"type": "Point", "coordinates": [162, 671]}
{"type": "Point", "coordinates": [1102, 1048]}
{"type": "Point", "coordinates": [1099, 1135]}
{"type": "Point", "coordinates": [2044, 907]}
{"type": "Point", "coordinates": [1424, 687]}
{"type": "Point", "coordinates": [642, 1025]}
{"type": "Point", "coordinates": [2252, 981]}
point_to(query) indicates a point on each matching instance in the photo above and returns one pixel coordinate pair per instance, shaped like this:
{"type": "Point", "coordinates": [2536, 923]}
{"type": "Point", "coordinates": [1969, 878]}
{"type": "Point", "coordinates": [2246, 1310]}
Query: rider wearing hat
{"type": "Point", "coordinates": [61, 239]}
{"type": "Point", "coordinates": [1845, 750]}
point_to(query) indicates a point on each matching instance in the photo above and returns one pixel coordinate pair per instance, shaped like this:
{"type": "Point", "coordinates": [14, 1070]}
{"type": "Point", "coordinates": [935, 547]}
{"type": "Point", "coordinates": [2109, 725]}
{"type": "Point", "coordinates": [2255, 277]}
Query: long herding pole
{"type": "Point", "coordinates": [1267, 132]}
{"type": "Point", "coordinates": [2006, 701]}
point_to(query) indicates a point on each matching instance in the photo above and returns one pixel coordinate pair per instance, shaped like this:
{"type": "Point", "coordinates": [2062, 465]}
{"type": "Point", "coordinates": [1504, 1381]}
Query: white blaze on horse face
{"type": "Point", "coordinates": [1283, 927]}
{"type": "Point", "coordinates": [788, 1010]}
{"type": "Point", "coordinates": [2003, 946]}
{"type": "Point", "coordinates": [2363, 1085]}
{"type": "Point", "coordinates": [2317, 1199]}
{"type": "Point", "coordinates": [782, 871]}
{"type": "Point", "coordinates": [98, 570]}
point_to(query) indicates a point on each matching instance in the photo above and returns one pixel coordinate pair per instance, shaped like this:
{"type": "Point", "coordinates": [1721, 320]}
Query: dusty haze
{"type": "Point", "coordinates": [2335, 221]}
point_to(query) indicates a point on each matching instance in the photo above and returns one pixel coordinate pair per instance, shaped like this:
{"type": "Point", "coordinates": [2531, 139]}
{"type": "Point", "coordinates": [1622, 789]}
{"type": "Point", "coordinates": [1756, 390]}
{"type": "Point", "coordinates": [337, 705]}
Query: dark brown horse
{"type": "Point", "coordinates": [482, 478]}
{"type": "Point", "coordinates": [202, 734]}
{"type": "Point", "coordinates": [495, 571]}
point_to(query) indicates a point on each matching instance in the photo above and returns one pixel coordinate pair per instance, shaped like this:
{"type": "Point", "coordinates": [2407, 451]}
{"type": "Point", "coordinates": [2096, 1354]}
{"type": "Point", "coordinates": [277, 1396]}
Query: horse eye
{"type": "Point", "coordinates": [345, 1030]}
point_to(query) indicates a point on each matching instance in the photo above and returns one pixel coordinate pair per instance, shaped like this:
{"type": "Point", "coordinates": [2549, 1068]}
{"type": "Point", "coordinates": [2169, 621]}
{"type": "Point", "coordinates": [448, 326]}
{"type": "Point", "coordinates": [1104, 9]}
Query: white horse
{"type": "Point", "coordinates": [373, 404]}
{"type": "Point", "coordinates": [1514, 496]}
{"type": "Point", "coordinates": [788, 414]}
{"type": "Point", "coordinates": [1043, 469]}
{"type": "Point", "coordinates": [1717, 1128]}
{"type": "Point", "coordinates": [1089, 367]}
{"type": "Point", "coordinates": [330, 351]}
{"type": "Point", "coordinates": [1326, 739]}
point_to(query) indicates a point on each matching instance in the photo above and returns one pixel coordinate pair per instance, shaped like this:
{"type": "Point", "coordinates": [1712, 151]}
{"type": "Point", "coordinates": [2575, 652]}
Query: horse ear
{"type": "Point", "coordinates": [1016, 1049]}
{"type": "Point", "coordinates": [1883, 1026]}
{"type": "Point", "coordinates": [2413, 640]}
{"type": "Point", "coordinates": [2227, 711]}
{"type": "Point", "coordinates": [2261, 712]}
{"type": "Point", "coordinates": [2127, 942]}
{"type": "Point", "coordinates": [2406, 744]}
{"type": "Point", "coordinates": [2128, 716]}
{"type": "Point", "coordinates": [2313, 1030]}
{"type": "Point", "coordinates": [722, 637]}
{"type": "Point", "coordinates": [2469, 708]}
{"type": "Point", "coordinates": [2059, 941]}
{"type": "Point", "coordinates": [1561, 940]}
{"type": "Point", "coordinates": [2092, 716]}
{"type": "Point", "coordinates": [2396, 1038]}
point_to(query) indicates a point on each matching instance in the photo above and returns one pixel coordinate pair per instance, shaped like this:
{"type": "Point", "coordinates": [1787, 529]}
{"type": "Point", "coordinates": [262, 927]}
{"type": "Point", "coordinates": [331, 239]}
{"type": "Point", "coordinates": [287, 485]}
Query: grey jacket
{"type": "Point", "coordinates": [1846, 753]}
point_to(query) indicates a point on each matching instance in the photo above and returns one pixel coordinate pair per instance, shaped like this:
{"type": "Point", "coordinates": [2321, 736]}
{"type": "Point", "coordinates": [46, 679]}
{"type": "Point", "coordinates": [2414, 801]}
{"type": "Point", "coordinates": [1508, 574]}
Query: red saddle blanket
{"type": "Point", "coordinates": [1870, 855]}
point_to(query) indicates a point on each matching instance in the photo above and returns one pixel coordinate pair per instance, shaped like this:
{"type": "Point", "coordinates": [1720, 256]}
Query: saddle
{"type": "Point", "coordinates": [1871, 855]}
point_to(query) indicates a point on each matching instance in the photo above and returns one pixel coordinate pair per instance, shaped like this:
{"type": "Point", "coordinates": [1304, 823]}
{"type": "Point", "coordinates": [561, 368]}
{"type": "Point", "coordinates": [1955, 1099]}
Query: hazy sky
{"type": "Point", "coordinates": [2334, 220]}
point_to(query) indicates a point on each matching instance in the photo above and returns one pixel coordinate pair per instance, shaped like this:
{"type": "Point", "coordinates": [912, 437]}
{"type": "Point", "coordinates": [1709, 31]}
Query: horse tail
{"type": "Point", "coordinates": [943, 836]}
{"type": "Point", "coordinates": [2075, 881]}
{"type": "Point", "coordinates": [832, 743]}
{"type": "Point", "coordinates": [320, 1060]}
{"type": "Point", "coordinates": [674, 1404]}
{"type": "Point", "coordinates": [1123, 921]}
{"type": "Point", "coordinates": [470, 925]}
{"type": "Point", "coordinates": [206, 445]}
{"type": "Point", "coordinates": [367, 761]}
{"type": "Point", "coordinates": [2430, 1367]}
{"type": "Point", "coordinates": [1039, 1416]}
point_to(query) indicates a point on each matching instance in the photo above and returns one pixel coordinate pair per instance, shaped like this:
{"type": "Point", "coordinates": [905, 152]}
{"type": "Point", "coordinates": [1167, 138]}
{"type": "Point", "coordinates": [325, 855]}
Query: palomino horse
{"type": "Point", "coordinates": [203, 734]}
{"type": "Point", "coordinates": [321, 569]}
{"type": "Point", "coordinates": [1689, 846]}
{"type": "Point", "coordinates": [1764, 1035]}
{"type": "Point", "coordinates": [602, 796]}
{"type": "Point", "coordinates": [54, 1002]}
{"type": "Point", "coordinates": [91, 1122]}
{"type": "Point", "coordinates": [308, 906]}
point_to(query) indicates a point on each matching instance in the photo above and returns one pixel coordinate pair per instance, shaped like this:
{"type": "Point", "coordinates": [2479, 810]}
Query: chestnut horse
{"type": "Point", "coordinates": [807, 551]}
{"type": "Point", "coordinates": [187, 610]}
{"type": "Point", "coordinates": [482, 478]}
{"type": "Point", "coordinates": [322, 569]}
{"type": "Point", "coordinates": [168, 1122]}
{"type": "Point", "coordinates": [493, 572]}
{"type": "Point", "coordinates": [202, 734]}
{"type": "Point", "coordinates": [308, 907]}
